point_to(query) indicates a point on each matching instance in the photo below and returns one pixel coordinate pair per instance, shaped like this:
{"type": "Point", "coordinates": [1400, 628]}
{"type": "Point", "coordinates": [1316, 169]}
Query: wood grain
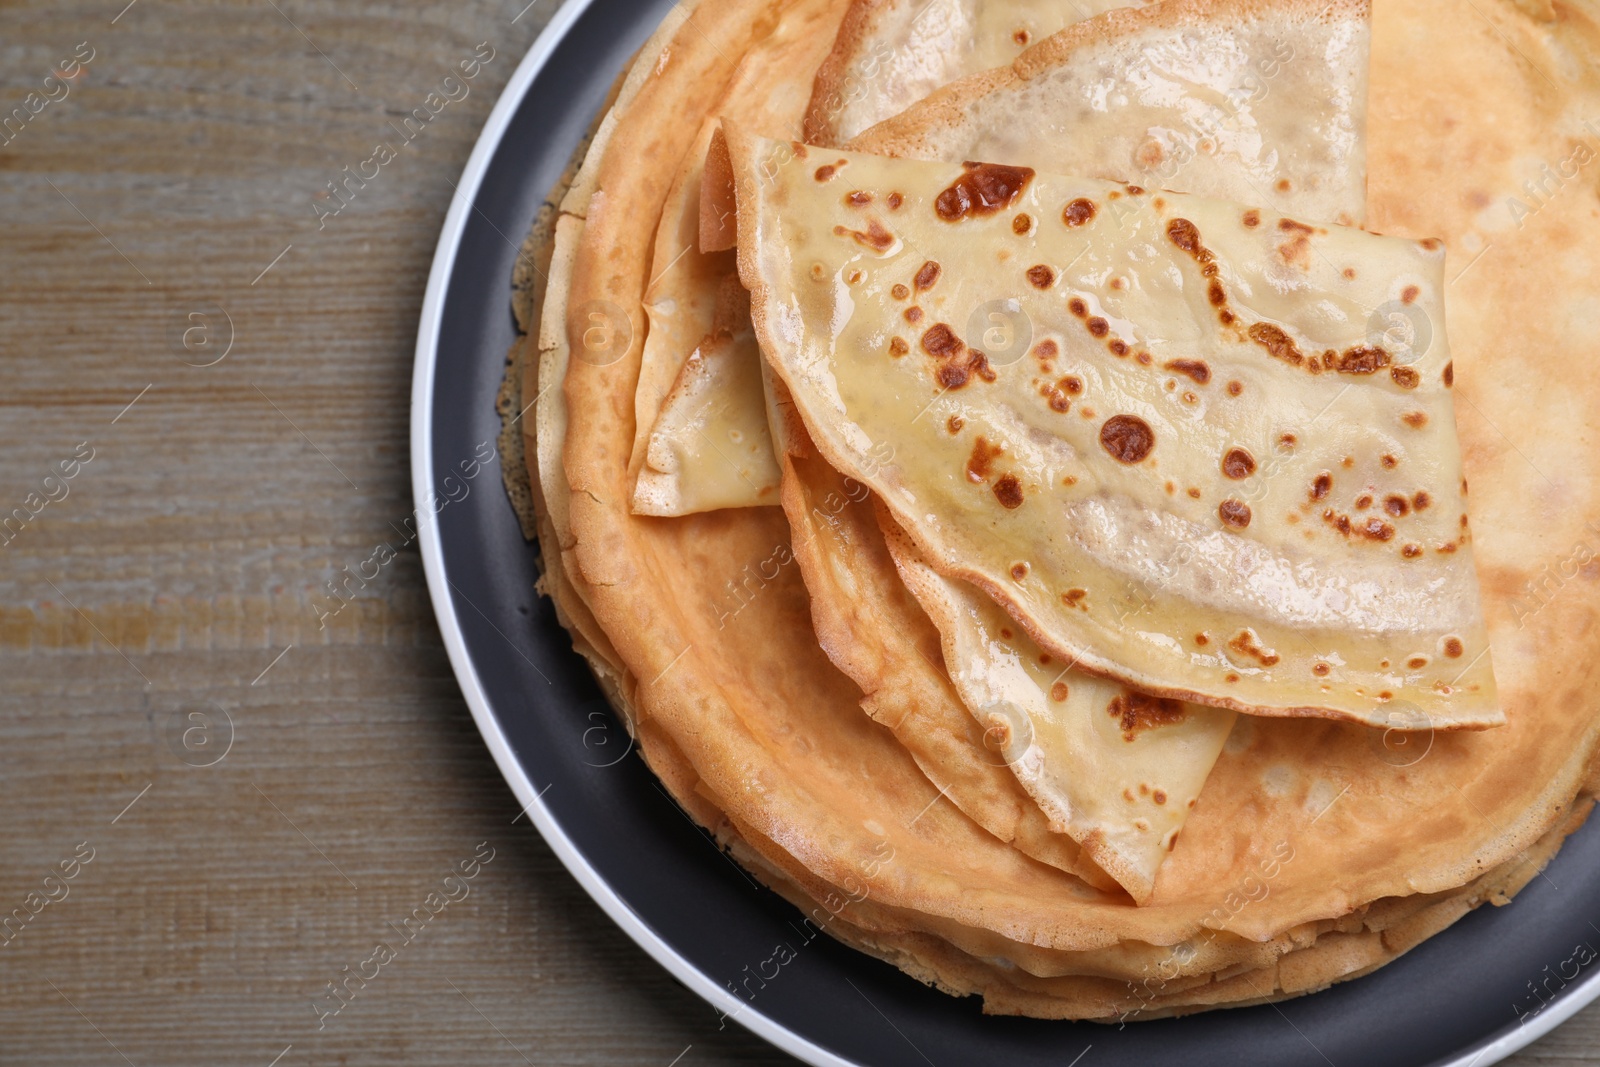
{"type": "Point", "coordinates": [174, 585]}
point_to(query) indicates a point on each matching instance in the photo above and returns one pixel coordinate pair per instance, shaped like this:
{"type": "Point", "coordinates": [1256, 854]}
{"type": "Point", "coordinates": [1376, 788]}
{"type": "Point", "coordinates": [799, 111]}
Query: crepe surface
{"type": "Point", "coordinates": [1249, 100]}
{"type": "Point", "coordinates": [1115, 769]}
{"type": "Point", "coordinates": [892, 53]}
{"type": "Point", "coordinates": [694, 448]}
{"type": "Point", "coordinates": [709, 447]}
{"type": "Point", "coordinates": [1124, 518]}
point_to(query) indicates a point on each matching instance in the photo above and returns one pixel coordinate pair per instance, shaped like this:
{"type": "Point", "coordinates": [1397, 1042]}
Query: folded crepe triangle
{"type": "Point", "coordinates": [1220, 97]}
{"type": "Point", "coordinates": [1161, 431]}
{"type": "Point", "coordinates": [710, 447]}
{"type": "Point", "coordinates": [1112, 768]}
{"type": "Point", "coordinates": [689, 450]}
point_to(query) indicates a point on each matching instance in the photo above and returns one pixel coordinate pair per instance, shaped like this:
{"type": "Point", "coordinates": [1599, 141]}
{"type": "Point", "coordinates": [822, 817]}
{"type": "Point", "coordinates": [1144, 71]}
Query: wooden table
{"type": "Point", "coordinates": [262, 796]}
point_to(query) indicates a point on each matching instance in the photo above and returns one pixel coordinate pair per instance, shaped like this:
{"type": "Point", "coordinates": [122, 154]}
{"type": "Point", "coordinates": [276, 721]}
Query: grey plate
{"type": "Point", "coordinates": [1466, 997]}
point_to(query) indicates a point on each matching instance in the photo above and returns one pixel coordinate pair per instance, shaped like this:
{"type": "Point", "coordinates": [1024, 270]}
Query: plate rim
{"type": "Point", "coordinates": [424, 369]}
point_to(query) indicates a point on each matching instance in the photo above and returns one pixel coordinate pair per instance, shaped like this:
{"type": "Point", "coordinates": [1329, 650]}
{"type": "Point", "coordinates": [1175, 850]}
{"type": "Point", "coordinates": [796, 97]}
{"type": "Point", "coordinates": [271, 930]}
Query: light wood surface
{"type": "Point", "coordinates": [172, 589]}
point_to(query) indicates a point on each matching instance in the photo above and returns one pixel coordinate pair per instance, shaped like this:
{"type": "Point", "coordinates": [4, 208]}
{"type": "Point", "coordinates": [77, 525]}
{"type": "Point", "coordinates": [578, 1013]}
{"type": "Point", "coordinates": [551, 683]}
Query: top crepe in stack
{"type": "Point", "coordinates": [701, 625]}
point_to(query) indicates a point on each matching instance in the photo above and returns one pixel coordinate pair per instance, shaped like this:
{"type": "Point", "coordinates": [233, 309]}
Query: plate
{"type": "Point", "coordinates": [1487, 986]}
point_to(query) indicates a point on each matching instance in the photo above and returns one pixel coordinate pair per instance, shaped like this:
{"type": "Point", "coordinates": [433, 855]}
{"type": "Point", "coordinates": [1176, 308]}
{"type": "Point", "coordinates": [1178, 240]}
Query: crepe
{"type": "Point", "coordinates": [1364, 821]}
{"type": "Point", "coordinates": [1216, 81]}
{"type": "Point", "coordinates": [1271, 535]}
{"type": "Point", "coordinates": [1116, 770]}
{"type": "Point", "coordinates": [892, 53]}
{"type": "Point", "coordinates": [709, 447]}
{"type": "Point", "coordinates": [695, 446]}
{"type": "Point", "coordinates": [681, 311]}
{"type": "Point", "coordinates": [1256, 101]}
{"type": "Point", "coordinates": [1122, 837]}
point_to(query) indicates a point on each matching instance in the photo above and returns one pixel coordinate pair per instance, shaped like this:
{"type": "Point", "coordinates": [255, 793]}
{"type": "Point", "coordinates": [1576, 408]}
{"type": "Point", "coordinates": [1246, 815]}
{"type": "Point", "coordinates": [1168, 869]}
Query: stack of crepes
{"type": "Point", "coordinates": [1003, 466]}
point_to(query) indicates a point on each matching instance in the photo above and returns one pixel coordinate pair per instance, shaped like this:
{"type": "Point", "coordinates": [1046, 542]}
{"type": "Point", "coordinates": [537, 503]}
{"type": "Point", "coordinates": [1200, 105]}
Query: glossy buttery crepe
{"type": "Point", "coordinates": [699, 442]}
{"type": "Point", "coordinates": [697, 400]}
{"type": "Point", "coordinates": [1187, 464]}
{"type": "Point", "coordinates": [1233, 91]}
{"type": "Point", "coordinates": [1361, 828]}
{"type": "Point", "coordinates": [709, 447]}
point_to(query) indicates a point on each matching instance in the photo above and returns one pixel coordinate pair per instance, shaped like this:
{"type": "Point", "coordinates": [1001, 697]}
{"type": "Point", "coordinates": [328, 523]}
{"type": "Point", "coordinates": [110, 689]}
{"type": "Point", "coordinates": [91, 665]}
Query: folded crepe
{"type": "Point", "coordinates": [892, 53]}
{"type": "Point", "coordinates": [1264, 103]}
{"type": "Point", "coordinates": [1186, 465]}
{"type": "Point", "coordinates": [1115, 769]}
{"type": "Point", "coordinates": [709, 447]}
{"type": "Point", "coordinates": [698, 397]}
{"type": "Point", "coordinates": [1236, 92]}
